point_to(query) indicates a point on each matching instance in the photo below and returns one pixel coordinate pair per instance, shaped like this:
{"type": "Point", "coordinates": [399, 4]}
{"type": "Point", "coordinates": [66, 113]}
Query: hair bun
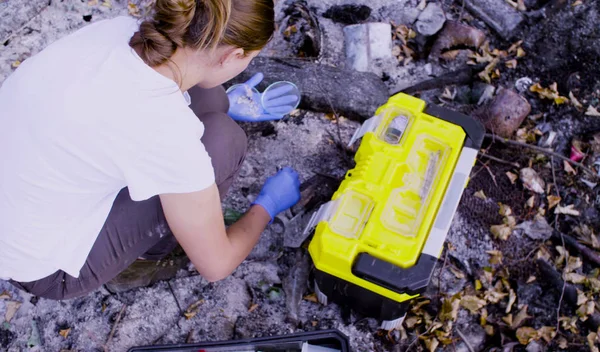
{"type": "Point", "coordinates": [173, 18]}
{"type": "Point", "coordinates": [156, 47]}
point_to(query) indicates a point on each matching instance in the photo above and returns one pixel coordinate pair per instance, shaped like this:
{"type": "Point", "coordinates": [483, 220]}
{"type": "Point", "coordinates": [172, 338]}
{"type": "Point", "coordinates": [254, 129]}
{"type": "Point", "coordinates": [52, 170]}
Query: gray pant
{"type": "Point", "coordinates": [130, 230]}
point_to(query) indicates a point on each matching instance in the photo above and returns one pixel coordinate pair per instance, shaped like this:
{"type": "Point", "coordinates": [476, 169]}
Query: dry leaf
{"type": "Point", "coordinates": [508, 319]}
{"type": "Point", "coordinates": [549, 93]}
{"type": "Point", "coordinates": [104, 306]}
{"type": "Point", "coordinates": [479, 194]}
{"type": "Point", "coordinates": [16, 64]}
{"type": "Point", "coordinates": [577, 3]}
{"type": "Point", "coordinates": [11, 309]}
{"type": "Point", "coordinates": [192, 309]}
{"type": "Point", "coordinates": [573, 264]}
{"type": "Point", "coordinates": [107, 3]}
{"type": "Point", "coordinates": [311, 298]}
{"type": "Point", "coordinates": [478, 285]}
{"type": "Point", "coordinates": [431, 344]}
{"type": "Point", "coordinates": [501, 231]}
{"type": "Point", "coordinates": [547, 333]}
{"type": "Point", "coordinates": [569, 323]}
{"type": "Point", "coordinates": [568, 210]}
{"type": "Point", "coordinates": [485, 74]}
{"type": "Point", "coordinates": [5, 295]}
{"type": "Point", "coordinates": [65, 333]}
{"type": "Point", "coordinates": [530, 202]}
{"type": "Point", "coordinates": [505, 210]}
{"type": "Point", "coordinates": [412, 322]}
{"type": "Point", "coordinates": [591, 111]}
{"type": "Point", "coordinates": [448, 94]}
{"type": "Point", "coordinates": [459, 274]}
{"type": "Point", "coordinates": [493, 296]}
{"type": "Point", "coordinates": [512, 177]}
{"type": "Point", "coordinates": [532, 181]}
{"type": "Point", "coordinates": [520, 318]}
{"type": "Point", "coordinates": [511, 63]}
{"type": "Point", "coordinates": [489, 330]}
{"type": "Point", "coordinates": [133, 9]}
{"type": "Point", "coordinates": [521, 52]}
{"type": "Point", "coordinates": [422, 5]}
{"type": "Point", "coordinates": [530, 279]}
{"type": "Point", "coordinates": [512, 298]}
{"type": "Point", "coordinates": [553, 201]}
{"type": "Point", "coordinates": [585, 310]}
{"type": "Point", "coordinates": [575, 278]}
{"type": "Point", "coordinates": [526, 334]}
{"type": "Point", "coordinates": [495, 257]}
{"type": "Point", "coordinates": [574, 101]}
{"type": "Point", "coordinates": [562, 343]}
{"type": "Point", "coordinates": [472, 303]}
{"type": "Point", "coordinates": [581, 298]}
{"type": "Point", "coordinates": [92, 2]}
{"type": "Point", "coordinates": [449, 310]}
{"type": "Point", "coordinates": [568, 168]}
{"type": "Point", "coordinates": [592, 340]}
{"type": "Point", "coordinates": [253, 308]}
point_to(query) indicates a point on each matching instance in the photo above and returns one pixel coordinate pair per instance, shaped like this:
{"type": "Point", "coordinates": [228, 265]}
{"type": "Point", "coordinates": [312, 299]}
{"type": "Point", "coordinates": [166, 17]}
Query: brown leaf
{"type": "Point", "coordinates": [5, 295]}
{"type": "Point", "coordinates": [568, 168]}
{"type": "Point", "coordinates": [495, 257]}
{"type": "Point", "coordinates": [512, 298]}
{"type": "Point", "coordinates": [592, 340]}
{"type": "Point", "coordinates": [520, 318]}
{"type": "Point", "coordinates": [532, 181]}
{"type": "Point", "coordinates": [575, 278]}
{"type": "Point", "coordinates": [547, 333]}
{"type": "Point", "coordinates": [567, 210]}
{"type": "Point", "coordinates": [457, 273]}
{"type": "Point", "coordinates": [314, 323]}
{"type": "Point", "coordinates": [253, 308]}
{"type": "Point", "coordinates": [489, 330]}
{"type": "Point", "coordinates": [479, 194]}
{"type": "Point", "coordinates": [549, 93]}
{"type": "Point", "coordinates": [512, 177]}
{"type": "Point", "coordinates": [526, 334]}
{"type": "Point", "coordinates": [472, 303]}
{"type": "Point", "coordinates": [530, 202]}
{"type": "Point", "coordinates": [512, 64]}
{"type": "Point", "coordinates": [192, 309]}
{"type": "Point", "coordinates": [432, 343]}
{"type": "Point", "coordinates": [16, 64]}
{"type": "Point", "coordinates": [591, 111]}
{"type": "Point", "coordinates": [573, 264]}
{"type": "Point", "coordinates": [104, 306]}
{"type": "Point", "coordinates": [562, 343]}
{"type": "Point", "coordinates": [574, 101]}
{"type": "Point", "coordinates": [581, 298]}
{"type": "Point", "coordinates": [311, 298]}
{"type": "Point", "coordinates": [530, 279]}
{"type": "Point", "coordinates": [585, 310]}
{"type": "Point", "coordinates": [449, 310]}
{"type": "Point", "coordinates": [11, 309]}
{"type": "Point", "coordinates": [501, 231]}
{"type": "Point", "coordinates": [553, 201]}
{"type": "Point", "coordinates": [412, 321]}
{"type": "Point", "coordinates": [65, 333]}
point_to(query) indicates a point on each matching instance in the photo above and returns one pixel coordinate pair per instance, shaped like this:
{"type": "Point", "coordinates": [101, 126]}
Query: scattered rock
{"type": "Point", "coordinates": [400, 12]}
{"type": "Point", "coordinates": [366, 44]}
{"type": "Point", "coordinates": [535, 346]}
{"type": "Point", "coordinates": [6, 338]}
{"type": "Point", "coordinates": [16, 14]}
{"type": "Point", "coordinates": [505, 113]}
{"type": "Point", "coordinates": [455, 35]}
{"type": "Point", "coordinates": [431, 20]}
{"type": "Point", "coordinates": [348, 14]}
{"type": "Point", "coordinates": [498, 15]}
{"type": "Point", "coordinates": [537, 229]}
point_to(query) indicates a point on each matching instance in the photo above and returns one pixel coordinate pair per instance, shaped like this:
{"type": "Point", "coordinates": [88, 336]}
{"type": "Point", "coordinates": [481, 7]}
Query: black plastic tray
{"type": "Point", "coordinates": [323, 338]}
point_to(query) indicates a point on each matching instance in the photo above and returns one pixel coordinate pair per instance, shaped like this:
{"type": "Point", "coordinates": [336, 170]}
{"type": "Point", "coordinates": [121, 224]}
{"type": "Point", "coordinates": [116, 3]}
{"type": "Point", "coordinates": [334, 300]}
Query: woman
{"type": "Point", "coordinates": [116, 145]}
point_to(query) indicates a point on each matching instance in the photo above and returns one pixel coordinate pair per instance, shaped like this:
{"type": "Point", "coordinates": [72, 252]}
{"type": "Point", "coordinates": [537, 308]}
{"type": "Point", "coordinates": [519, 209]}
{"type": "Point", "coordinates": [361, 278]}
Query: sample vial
{"type": "Point", "coordinates": [395, 129]}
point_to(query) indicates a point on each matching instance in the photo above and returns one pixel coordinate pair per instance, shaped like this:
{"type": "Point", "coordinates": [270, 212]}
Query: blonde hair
{"type": "Point", "coordinates": [203, 24]}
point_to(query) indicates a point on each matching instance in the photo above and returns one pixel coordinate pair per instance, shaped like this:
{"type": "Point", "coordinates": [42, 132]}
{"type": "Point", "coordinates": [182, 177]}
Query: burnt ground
{"type": "Point", "coordinates": [504, 277]}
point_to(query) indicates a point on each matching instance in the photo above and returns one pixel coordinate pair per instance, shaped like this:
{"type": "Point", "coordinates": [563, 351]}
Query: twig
{"type": "Point", "coordinates": [489, 172]}
{"type": "Point", "coordinates": [114, 328]}
{"type": "Point", "coordinates": [462, 336]}
{"type": "Point", "coordinates": [589, 254]}
{"type": "Point", "coordinates": [542, 150]}
{"type": "Point", "coordinates": [562, 295]}
{"type": "Point", "coordinates": [498, 160]}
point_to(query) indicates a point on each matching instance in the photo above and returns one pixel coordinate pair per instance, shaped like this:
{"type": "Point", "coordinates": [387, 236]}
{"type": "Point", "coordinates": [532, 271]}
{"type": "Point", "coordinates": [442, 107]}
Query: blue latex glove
{"type": "Point", "coordinates": [280, 192]}
{"type": "Point", "coordinates": [246, 105]}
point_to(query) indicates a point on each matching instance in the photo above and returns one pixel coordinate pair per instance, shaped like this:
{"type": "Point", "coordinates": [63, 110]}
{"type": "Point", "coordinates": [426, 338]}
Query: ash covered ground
{"type": "Point", "coordinates": [503, 288]}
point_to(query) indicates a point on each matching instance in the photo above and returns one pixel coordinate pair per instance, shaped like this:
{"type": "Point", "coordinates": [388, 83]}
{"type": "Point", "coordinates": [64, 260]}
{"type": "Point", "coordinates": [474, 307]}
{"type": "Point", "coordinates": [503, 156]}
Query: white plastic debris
{"type": "Point", "coordinates": [523, 84]}
{"type": "Point", "coordinates": [532, 181]}
{"type": "Point", "coordinates": [367, 43]}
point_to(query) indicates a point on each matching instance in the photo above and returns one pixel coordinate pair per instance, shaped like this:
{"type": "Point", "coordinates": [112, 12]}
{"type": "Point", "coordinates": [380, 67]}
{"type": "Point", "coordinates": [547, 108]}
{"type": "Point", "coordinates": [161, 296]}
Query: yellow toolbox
{"type": "Point", "coordinates": [377, 241]}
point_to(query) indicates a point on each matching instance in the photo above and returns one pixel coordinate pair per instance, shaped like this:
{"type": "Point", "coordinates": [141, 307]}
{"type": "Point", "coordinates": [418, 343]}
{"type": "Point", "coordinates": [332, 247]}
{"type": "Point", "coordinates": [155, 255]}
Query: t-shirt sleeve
{"type": "Point", "coordinates": [174, 161]}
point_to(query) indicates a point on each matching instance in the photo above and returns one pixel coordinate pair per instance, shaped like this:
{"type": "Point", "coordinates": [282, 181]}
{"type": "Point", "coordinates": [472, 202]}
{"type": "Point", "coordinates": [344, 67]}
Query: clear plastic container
{"type": "Point", "coordinates": [352, 213]}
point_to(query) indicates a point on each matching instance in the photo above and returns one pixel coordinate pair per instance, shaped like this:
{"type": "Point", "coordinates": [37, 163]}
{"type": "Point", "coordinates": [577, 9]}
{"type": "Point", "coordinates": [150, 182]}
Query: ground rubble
{"type": "Point", "coordinates": [520, 267]}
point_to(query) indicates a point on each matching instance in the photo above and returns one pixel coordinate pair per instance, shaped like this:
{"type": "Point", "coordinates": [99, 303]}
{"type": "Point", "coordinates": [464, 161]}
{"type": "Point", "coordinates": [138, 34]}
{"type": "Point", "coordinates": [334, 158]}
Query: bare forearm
{"type": "Point", "coordinates": [245, 233]}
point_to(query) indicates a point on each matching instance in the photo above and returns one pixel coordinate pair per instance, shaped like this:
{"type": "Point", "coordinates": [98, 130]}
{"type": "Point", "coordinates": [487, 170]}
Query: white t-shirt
{"type": "Point", "coordinates": [80, 121]}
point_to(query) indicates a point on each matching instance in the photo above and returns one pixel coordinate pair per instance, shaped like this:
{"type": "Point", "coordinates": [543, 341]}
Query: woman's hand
{"type": "Point", "coordinates": [196, 220]}
{"type": "Point", "coordinates": [280, 192]}
{"type": "Point", "coordinates": [248, 105]}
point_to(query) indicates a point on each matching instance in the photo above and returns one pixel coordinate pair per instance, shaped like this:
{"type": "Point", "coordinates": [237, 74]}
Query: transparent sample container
{"type": "Point", "coordinates": [393, 132]}
{"type": "Point", "coordinates": [353, 212]}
